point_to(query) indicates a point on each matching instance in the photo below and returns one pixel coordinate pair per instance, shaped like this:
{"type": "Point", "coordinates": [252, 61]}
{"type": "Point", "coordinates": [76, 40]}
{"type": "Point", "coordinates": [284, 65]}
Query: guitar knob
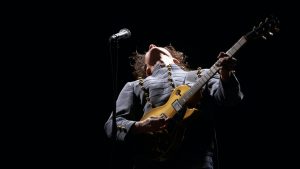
{"type": "Point", "coordinates": [178, 92]}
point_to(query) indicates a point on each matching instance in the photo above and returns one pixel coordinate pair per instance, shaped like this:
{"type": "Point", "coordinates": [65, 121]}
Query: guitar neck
{"type": "Point", "coordinates": [236, 46]}
{"type": "Point", "coordinates": [210, 73]}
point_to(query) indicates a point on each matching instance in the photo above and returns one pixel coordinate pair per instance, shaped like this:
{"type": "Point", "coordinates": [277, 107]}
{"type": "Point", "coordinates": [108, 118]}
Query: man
{"type": "Point", "coordinates": [153, 108]}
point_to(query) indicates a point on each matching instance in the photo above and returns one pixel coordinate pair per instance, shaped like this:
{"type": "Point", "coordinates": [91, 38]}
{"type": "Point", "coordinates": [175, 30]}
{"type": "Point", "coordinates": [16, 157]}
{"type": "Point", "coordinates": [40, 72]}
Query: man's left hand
{"type": "Point", "coordinates": [227, 64]}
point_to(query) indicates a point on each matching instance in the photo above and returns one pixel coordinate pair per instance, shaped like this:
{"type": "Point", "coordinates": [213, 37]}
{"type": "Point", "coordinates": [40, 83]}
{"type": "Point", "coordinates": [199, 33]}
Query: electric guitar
{"type": "Point", "coordinates": [161, 144]}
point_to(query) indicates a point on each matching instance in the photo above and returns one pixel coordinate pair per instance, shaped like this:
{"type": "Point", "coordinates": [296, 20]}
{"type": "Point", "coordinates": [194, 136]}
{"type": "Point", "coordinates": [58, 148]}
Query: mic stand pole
{"type": "Point", "coordinates": [114, 66]}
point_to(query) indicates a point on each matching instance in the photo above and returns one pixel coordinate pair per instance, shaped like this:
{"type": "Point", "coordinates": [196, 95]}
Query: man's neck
{"type": "Point", "coordinates": [166, 59]}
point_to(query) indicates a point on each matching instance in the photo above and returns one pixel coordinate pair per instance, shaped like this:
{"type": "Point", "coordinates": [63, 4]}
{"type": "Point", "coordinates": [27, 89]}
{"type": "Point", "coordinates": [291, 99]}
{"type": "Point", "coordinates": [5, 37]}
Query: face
{"type": "Point", "coordinates": [157, 55]}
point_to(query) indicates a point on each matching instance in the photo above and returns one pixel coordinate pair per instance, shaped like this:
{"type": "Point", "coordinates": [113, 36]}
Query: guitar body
{"type": "Point", "coordinates": [161, 145]}
{"type": "Point", "coordinates": [167, 109]}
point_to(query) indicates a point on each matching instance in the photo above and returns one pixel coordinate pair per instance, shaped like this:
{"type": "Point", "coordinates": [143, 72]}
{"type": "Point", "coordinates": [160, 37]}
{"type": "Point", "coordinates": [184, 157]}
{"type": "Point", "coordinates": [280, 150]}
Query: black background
{"type": "Point", "coordinates": [68, 78]}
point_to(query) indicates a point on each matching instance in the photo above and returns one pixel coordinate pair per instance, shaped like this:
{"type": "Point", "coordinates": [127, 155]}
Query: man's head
{"type": "Point", "coordinates": [144, 63]}
{"type": "Point", "coordinates": [156, 55]}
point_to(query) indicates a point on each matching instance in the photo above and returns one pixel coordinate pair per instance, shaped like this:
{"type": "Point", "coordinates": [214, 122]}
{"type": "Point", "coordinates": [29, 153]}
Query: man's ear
{"type": "Point", "coordinates": [148, 71]}
{"type": "Point", "coordinates": [176, 61]}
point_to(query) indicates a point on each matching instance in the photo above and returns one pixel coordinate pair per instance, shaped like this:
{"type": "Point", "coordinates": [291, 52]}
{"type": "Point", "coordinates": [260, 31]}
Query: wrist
{"type": "Point", "coordinates": [137, 127]}
{"type": "Point", "coordinates": [225, 74]}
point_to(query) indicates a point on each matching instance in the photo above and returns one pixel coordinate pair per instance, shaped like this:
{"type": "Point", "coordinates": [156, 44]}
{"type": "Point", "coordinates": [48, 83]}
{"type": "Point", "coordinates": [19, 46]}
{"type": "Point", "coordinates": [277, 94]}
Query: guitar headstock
{"type": "Point", "coordinates": [265, 29]}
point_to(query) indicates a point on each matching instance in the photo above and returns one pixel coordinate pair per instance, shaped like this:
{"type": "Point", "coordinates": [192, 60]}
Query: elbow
{"type": "Point", "coordinates": [108, 129]}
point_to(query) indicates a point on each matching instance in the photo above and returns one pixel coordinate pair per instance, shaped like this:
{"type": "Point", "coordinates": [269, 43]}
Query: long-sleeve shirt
{"type": "Point", "coordinates": [132, 104]}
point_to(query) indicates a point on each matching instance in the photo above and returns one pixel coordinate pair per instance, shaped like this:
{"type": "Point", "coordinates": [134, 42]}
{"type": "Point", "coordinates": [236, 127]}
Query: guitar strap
{"type": "Point", "coordinates": [192, 76]}
{"type": "Point", "coordinates": [146, 92]}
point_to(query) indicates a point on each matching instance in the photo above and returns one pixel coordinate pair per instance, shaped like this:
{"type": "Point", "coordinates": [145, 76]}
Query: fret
{"type": "Point", "coordinates": [209, 73]}
{"type": "Point", "coordinates": [189, 94]}
{"type": "Point", "coordinates": [234, 49]}
{"type": "Point", "coordinates": [236, 46]}
{"type": "Point", "coordinates": [205, 77]}
{"type": "Point", "coordinates": [214, 68]}
{"type": "Point", "coordinates": [203, 80]}
{"type": "Point", "coordinates": [242, 40]}
{"type": "Point", "coordinates": [229, 53]}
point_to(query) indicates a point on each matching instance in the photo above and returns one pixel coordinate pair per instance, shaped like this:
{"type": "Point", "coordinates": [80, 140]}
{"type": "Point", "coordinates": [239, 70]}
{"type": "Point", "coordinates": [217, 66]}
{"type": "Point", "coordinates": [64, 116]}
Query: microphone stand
{"type": "Point", "coordinates": [113, 49]}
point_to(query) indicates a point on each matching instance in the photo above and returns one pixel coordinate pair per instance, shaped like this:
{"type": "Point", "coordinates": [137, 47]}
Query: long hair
{"type": "Point", "coordinates": [139, 66]}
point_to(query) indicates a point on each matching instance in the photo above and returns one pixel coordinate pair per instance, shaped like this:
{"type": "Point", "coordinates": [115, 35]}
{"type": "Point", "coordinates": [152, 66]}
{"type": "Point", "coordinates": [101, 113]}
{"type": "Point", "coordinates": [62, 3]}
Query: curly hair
{"type": "Point", "coordinates": [140, 67]}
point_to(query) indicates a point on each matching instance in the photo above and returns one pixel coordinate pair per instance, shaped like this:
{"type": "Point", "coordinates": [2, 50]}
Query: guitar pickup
{"type": "Point", "coordinates": [176, 105]}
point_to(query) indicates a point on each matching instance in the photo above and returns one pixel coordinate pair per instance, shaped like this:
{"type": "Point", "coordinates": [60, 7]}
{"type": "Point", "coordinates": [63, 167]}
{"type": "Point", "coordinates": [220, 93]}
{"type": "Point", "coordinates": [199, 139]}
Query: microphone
{"type": "Point", "coordinates": [122, 34]}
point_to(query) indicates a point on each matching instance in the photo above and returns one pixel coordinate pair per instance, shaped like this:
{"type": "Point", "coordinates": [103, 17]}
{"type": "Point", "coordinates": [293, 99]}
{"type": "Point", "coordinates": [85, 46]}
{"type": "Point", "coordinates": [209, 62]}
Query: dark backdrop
{"type": "Point", "coordinates": [73, 79]}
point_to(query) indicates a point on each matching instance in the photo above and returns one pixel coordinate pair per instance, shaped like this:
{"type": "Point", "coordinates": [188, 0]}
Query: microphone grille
{"type": "Point", "coordinates": [127, 31]}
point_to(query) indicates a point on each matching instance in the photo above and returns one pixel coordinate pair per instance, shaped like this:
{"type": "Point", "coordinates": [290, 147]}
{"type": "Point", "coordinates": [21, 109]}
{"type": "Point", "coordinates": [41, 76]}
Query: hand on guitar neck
{"type": "Point", "coordinates": [227, 64]}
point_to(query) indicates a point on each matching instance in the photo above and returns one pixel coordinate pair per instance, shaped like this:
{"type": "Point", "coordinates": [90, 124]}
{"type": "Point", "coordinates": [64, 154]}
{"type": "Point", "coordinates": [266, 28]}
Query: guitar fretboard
{"type": "Point", "coordinates": [210, 73]}
{"type": "Point", "coordinates": [236, 46]}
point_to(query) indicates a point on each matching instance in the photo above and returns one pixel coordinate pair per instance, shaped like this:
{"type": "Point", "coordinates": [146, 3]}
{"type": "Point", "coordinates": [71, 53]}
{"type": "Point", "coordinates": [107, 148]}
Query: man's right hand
{"type": "Point", "coordinates": [150, 124]}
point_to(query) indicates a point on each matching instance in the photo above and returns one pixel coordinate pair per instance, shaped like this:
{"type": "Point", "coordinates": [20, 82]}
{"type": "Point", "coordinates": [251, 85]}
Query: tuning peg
{"type": "Point", "coordinates": [271, 33]}
{"type": "Point", "coordinates": [265, 38]}
{"type": "Point", "coordinates": [266, 20]}
{"type": "Point", "coordinates": [254, 28]}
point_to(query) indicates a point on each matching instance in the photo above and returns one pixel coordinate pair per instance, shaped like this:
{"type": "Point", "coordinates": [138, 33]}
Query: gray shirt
{"type": "Point", "coordinates": [132, 104]}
